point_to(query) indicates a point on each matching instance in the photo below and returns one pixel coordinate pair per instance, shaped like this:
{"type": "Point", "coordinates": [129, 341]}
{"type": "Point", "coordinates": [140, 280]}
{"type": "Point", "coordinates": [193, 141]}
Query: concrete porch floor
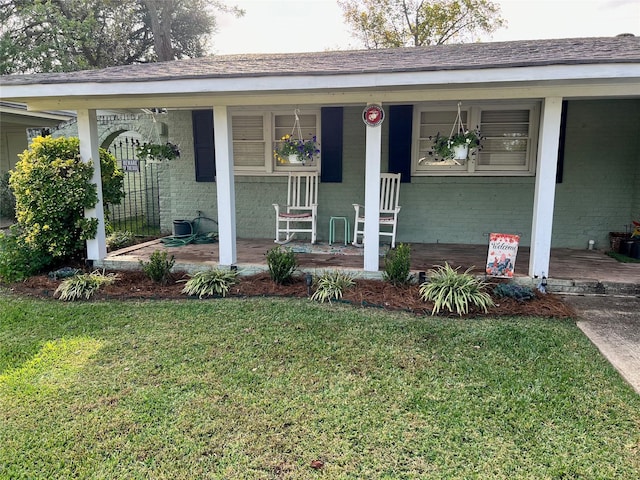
{"type": "Point", "coordinates": [571, 271]}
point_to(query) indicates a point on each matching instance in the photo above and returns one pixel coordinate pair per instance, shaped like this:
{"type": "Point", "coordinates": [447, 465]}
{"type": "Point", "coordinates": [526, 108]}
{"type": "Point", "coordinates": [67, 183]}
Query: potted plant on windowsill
{"type": "Point", "coordinates": [296, 151]}
{"type": "Point", "coordinates": [157, 152]}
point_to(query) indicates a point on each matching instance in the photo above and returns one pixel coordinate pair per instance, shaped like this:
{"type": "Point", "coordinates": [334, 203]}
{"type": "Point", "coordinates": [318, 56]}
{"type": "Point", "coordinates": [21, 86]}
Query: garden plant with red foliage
{"type": "Point", "coordinates": [366, 293]}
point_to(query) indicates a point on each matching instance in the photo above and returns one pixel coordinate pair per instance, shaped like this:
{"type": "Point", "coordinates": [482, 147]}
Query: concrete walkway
{"type": "Point", "coordinates": [612, 323]}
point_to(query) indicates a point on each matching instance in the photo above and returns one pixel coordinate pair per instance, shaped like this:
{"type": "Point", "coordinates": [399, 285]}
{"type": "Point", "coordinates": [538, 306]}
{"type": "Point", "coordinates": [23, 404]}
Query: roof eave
{"type": "Point", "coordinates": [45, 94]}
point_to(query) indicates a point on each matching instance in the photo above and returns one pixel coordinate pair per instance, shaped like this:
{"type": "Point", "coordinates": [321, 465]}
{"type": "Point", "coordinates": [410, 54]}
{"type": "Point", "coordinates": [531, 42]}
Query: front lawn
{"type": "Point", "coordinates": [261, 388]}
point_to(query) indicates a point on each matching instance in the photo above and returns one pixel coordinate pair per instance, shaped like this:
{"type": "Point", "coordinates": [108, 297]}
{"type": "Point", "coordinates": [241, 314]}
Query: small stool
{"type": "Point", "coordinates": [332, 231]}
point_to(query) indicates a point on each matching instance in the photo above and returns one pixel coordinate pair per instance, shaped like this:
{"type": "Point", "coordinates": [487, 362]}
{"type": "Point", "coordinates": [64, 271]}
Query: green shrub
{"type": "Point", "coordinates": [520, 293]}
{"type": "Point", "coordinates": [448, 289]}
{"type": "Point", "coordinates": [19, 260]}
{"type": "Point", "coordinates": [159, 266]}
{"type": "Point", "coordinates": [210, 282]}
{"type": "Point", "coordinates": [282, 263]}
{"type": "Point", "coordinates": [397, 265]}
{"type": "Point", "coordinates": [64, 272]}
{"type": "Point", "coordinates": [84, 285]}
{"type": "Point", "coordinates": [53, 187]}
{"type": "Point", "coordinates": [117, 240]}
{"type": "Point", "coordinates": [331, 286]}
{"type": "Point", "coordinates": [7, 199]}
{"type": "Point", "coordinates": [112, 180]}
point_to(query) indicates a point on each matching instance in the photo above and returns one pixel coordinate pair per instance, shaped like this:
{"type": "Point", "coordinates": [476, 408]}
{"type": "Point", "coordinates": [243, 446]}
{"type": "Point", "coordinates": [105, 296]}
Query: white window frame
{"type": "Point", "coordinates": [271, 166]}
{"type": "Point", "coordinates": [473, 112]}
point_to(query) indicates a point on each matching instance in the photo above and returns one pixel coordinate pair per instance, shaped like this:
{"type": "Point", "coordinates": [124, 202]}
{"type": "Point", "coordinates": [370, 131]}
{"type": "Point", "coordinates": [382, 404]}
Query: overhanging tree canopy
{"type": "Point", "coordinates": [69, 35]}
{"type": "Point", "coordinates": [415, 23]}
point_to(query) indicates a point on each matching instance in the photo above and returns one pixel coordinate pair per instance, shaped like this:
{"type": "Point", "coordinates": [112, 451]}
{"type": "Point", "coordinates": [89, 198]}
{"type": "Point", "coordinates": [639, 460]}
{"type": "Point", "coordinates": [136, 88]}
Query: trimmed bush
{"type": "Point", "coordinates": [159, 266]}
{"type": "Point", "coordinates": [451, 290]}
{"type": "Point", "coordinates": [520, 293]}
{"type": "Point", "coordinates": [53, 187]}
{"type": "Point", "coordinates": [397, 265]}
{"type": "Point", "coordinates": [18, 259]}
{"type": "Point", "coordinates": [282, 263]}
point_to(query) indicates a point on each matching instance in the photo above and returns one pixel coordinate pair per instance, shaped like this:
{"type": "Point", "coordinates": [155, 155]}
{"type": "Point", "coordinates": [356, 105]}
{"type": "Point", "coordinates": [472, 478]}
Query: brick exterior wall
{"type": "Point", "coordinates": [598, 193]}
{"type": "Point", "coordinates": [602, 157]}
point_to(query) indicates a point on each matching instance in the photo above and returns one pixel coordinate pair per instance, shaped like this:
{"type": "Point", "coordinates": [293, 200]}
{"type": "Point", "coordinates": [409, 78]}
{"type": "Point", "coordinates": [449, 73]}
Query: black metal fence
{"type": "Point", "coordinates": [139, 210]}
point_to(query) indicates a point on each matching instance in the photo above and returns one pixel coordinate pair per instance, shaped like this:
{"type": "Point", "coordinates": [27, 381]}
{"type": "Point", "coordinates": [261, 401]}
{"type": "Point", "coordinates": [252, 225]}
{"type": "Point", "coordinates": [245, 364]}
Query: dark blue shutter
{"type": "Point", "coordinates": [400, 131]}
{"type": "Point", "coordinates": [331, 147]}
{"type": "Point", "coordinates": [204, 151]}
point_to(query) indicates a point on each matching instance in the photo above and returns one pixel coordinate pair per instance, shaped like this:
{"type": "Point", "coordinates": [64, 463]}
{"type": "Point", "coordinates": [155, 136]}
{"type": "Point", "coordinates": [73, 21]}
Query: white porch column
{"type": "Point", "coordinates": [225, 185]}
{"type": "Point", "coordinates": [545, 189]}
{"type": "Point", "coordinates": [88, 134]}
{"type": "Point", "coordinates": [372, 198]}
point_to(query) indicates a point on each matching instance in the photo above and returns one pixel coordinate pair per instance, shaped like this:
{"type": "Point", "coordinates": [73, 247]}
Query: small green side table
{"type": "Point", "coordinates": [332, 229]}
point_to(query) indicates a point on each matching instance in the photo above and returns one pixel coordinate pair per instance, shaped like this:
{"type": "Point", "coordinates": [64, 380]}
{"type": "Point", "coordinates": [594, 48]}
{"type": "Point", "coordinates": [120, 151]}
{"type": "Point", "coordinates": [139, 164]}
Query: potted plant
{"type": "Point", "coordinates": [157, 152]}
{"type": "Point", "coordinates": [296, 150]}
{"type": "Point", "coordinates": [457, 145]}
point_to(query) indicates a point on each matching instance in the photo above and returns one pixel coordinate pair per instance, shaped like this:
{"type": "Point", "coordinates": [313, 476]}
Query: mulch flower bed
{"type": "Point", "coordinates": [367, 293]}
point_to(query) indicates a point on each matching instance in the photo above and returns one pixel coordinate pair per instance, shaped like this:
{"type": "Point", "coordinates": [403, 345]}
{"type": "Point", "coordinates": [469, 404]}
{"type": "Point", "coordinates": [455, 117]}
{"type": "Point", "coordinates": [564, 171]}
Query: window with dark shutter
{"type": "Point", "coordinates": [203, 145]}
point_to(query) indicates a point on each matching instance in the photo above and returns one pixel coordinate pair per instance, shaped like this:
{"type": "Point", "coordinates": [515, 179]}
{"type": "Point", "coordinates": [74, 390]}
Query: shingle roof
{"type": "Point", "coordinates": [525, 53]}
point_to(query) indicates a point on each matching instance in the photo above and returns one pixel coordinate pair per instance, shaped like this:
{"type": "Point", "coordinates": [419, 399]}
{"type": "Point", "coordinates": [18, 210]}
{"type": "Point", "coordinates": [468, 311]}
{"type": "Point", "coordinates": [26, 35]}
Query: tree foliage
{"type": "Point", "coordinates": [70, 35]}
{"type": "Point", "coordinates": [415, 23]}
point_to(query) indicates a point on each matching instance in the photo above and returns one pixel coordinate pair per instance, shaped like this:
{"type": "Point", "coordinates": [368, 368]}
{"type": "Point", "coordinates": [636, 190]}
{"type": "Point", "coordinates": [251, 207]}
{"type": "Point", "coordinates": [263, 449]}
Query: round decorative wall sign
{"type": "Point", "coordinates": [373, 115]}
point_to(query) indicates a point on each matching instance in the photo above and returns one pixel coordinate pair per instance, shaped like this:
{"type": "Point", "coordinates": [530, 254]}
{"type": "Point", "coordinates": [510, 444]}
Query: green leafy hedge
{"type": "Point", "coordinates": [53, 187]}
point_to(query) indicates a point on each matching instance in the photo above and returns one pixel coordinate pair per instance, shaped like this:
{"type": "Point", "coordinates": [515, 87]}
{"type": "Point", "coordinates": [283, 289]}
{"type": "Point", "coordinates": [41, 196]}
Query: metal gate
{"type": "Point", "coordinates": [139, 210]}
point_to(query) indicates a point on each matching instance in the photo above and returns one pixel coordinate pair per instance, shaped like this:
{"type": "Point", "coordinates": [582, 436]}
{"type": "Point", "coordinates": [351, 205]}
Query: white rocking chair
{"type": "Point", "coordinates": [301, 207]}
{"type": "Point", "coordinates": [389, 209]}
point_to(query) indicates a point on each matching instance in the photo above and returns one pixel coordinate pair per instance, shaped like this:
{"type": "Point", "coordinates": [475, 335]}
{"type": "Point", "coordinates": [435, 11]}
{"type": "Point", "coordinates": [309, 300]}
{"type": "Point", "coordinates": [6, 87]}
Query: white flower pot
{"type": "Point", "coordinates": [293, 158]}
{"type": "Point", "coordinates": [460, 152]}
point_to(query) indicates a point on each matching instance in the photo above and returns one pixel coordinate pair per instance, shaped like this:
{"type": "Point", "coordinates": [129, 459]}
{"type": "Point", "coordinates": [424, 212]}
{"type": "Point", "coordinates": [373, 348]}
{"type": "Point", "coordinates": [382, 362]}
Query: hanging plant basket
{"type": "Point", "coordinates": [457, 145]}
{"type": "Point", "coordinates": [460, 152]}
{"type": "Point", "coordinates": [294, 149]}
{"type": "Point", "coordinates": [155, 152]}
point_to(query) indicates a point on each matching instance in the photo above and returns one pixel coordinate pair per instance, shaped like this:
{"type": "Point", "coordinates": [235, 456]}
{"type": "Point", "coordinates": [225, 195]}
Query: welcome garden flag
{"type": "Point", "coordinates": [503, 248]}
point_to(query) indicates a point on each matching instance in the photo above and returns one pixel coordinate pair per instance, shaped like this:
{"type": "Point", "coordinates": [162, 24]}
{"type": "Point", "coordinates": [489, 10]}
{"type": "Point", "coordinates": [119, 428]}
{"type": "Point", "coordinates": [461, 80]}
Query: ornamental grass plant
{"type": "Point", "coordinates": [454, 291]}
{"type": "Point", "coordinates": [331, 286]}
{"type": "Point", "coordinates": [208, 283]}
{"type": "Point", "coordinates": [83, 285]}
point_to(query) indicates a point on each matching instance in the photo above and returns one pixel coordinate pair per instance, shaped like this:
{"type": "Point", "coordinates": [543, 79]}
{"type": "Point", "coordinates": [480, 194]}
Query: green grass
{"type": "Point", "coordinates": [623, 258]}
{"type": "Point", "coordinates": [259, 388]}
{"type": "Point", "coordinates": [137, 225]}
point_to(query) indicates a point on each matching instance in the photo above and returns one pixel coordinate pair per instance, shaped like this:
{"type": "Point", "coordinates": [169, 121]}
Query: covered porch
{"type": "Point", "coordinates": [543, 107]}
{"type": "Point", "coordinates": [571, 270]}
